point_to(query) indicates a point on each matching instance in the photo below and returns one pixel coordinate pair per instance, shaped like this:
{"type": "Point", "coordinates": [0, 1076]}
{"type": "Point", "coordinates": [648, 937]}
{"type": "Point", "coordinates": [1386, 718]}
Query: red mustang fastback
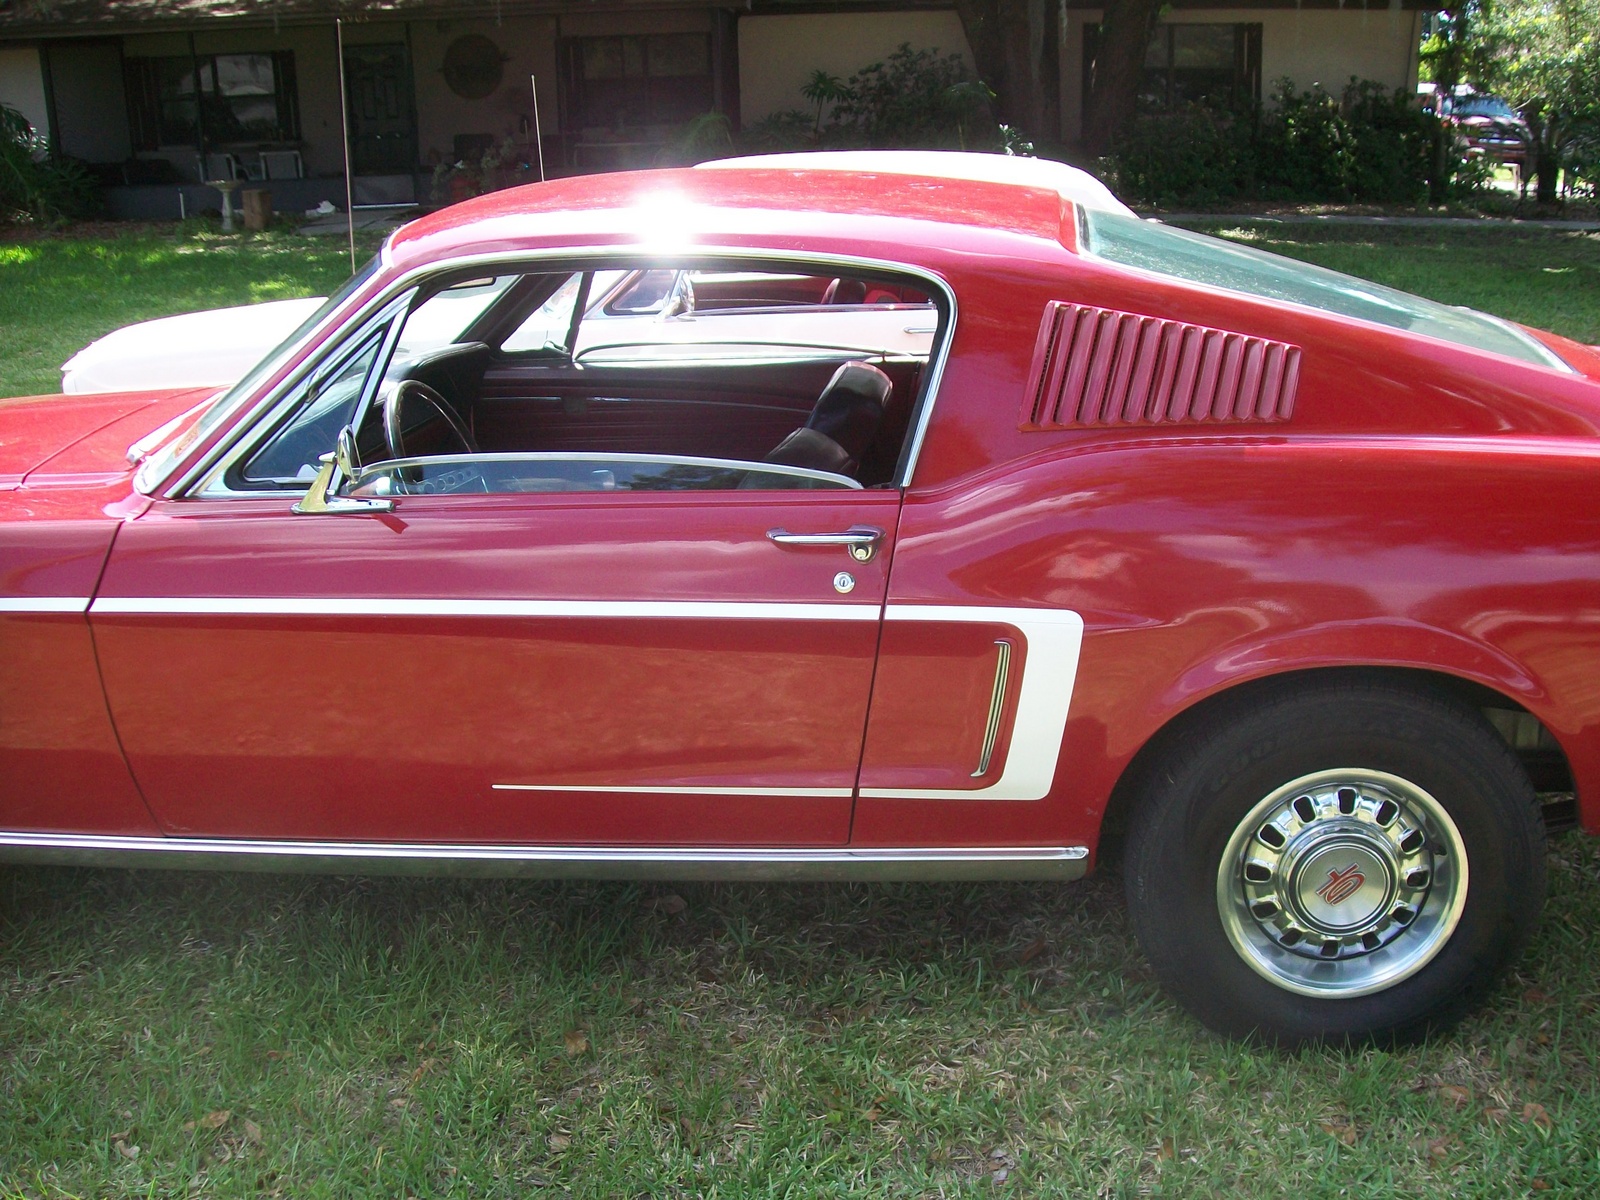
{"type": "Point", "coordinates": [796, 521]}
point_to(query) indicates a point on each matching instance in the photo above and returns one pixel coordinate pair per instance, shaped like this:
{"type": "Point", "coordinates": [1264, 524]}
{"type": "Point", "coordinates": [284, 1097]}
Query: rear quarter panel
{"type": "Point", "coordinates": [1426, 506]}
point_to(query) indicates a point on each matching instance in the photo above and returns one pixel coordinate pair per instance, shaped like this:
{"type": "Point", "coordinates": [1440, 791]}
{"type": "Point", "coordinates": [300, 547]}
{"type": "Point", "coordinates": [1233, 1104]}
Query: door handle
{"type": "Point", "coordinates": [860, 540]}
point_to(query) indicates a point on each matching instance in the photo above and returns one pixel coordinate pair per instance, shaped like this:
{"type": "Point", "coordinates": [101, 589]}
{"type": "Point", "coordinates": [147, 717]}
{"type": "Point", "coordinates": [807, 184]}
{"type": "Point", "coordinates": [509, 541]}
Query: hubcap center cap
{"type": "Point", "coordinates": [1342, 885]}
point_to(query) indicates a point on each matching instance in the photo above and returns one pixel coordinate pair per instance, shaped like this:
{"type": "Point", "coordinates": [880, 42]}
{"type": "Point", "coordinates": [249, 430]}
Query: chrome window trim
{"type": "Point", "coordinates": [214, 484]}
{"type": "Point", "coordinates": [216, 462]}
{"type": "Point", "coordinates": [732, 464]}
{"type": "Point", "coordinates": [826, 864]}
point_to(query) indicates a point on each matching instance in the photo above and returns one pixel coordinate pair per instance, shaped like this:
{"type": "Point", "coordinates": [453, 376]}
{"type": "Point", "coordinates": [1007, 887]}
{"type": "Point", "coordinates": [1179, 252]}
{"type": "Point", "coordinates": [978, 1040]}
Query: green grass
{"type": "Point", "coordinates": [1549, 279]}
{"type": "Point", "coordinates": [391, 1038]}
{"type": "Point", "coordinates": [276, 1036]}
{"type": "Point", "coordinates": [59, 293]}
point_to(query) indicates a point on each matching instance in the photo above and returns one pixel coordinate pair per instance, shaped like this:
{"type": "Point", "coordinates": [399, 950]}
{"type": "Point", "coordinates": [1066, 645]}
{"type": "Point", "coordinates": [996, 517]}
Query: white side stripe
{"type": "Point", "coordinates": [1053, 637]}
{"type": "Point", "coordinates": [258, 606]}
{"type": "Point", "coordinates": [44, 604]}
{"type": "Point", "coordinates": [675, 791]}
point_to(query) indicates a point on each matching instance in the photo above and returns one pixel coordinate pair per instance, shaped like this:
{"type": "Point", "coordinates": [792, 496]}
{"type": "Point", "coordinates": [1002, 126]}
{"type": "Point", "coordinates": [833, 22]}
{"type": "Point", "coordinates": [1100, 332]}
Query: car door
{"type": "Point", "coordinates": [544, 660]}
{"type": "Point", "coordinates": [603, 668]}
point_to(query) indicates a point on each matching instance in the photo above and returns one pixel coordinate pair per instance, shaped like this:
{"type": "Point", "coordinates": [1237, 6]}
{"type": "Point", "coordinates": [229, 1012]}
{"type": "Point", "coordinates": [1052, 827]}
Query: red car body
{"type": "Point", "coordinates": [638, 683]}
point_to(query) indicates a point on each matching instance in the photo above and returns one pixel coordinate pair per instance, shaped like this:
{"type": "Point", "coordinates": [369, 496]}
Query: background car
{"type": "Point", "coordinates": [1075, 537]}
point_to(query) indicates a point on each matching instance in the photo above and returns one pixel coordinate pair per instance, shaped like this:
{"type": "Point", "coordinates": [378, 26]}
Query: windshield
{"type": "Point", "coordinates": [156, 467]}
{"type": "Point", "coordinates": [1215, 263]}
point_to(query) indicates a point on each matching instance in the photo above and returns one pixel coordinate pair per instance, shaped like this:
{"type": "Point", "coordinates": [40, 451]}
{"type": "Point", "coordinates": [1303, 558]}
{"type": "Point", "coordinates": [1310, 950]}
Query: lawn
{"type": "Point", "coordinates": [168, 1034]}
{"type": "Point", "coordinates": [59, 293]}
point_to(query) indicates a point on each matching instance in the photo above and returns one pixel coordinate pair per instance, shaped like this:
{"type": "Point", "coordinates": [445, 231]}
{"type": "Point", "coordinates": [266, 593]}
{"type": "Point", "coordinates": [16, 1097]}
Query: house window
{"type": "Point", "coordinates": [1216, 65]}
{"type": "Point", "coordinates": [227, 97]}
{"type": "Point", "coordinates": [637, 81]}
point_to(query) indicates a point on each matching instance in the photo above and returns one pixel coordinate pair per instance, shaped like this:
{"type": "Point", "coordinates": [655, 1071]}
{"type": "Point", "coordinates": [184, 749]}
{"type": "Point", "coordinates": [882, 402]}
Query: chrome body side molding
{"type": "Point", "coordinates": [548, 862]}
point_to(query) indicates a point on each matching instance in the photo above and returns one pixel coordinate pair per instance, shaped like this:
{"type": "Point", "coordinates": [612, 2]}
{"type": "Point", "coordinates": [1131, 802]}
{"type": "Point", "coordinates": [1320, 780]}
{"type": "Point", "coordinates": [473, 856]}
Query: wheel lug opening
{"type": "Point", "coordinates": [1418, 878]}
{"type": "Point", "coordinates": [1304, 809]}
{"type": "Point", "coordinates": [1262, 910]}
{"type": "Point", "coordinates": [1290, 937]}
{"type": "Point", "coordinates": [1403, 914]}
{"type": "Point", "coordinates": [1256, 872]}
{"type": "Point", "coordinates": [1272, 836]}
{"type": "Point", "coordinates": [1370, 941]}
{"type": "Point", "coordinates": [1347, 800]}
{"type": "Point", "coordinates": [1412, 842]}
{"type": "Point", "coordinates": [1387, 812]}
{"type": "Point", "coordinates": [1330, 948]}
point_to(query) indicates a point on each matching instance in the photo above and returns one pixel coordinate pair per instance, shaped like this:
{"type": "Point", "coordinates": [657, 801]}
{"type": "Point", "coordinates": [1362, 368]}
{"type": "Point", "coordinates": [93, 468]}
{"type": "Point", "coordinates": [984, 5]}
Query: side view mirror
{"type": "Point", "coordinates": [339, 467]}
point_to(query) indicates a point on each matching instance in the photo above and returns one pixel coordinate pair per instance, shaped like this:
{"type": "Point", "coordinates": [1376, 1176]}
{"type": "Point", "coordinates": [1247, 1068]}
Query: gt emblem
{"type": "Point", "coordinates": [1341, 885]}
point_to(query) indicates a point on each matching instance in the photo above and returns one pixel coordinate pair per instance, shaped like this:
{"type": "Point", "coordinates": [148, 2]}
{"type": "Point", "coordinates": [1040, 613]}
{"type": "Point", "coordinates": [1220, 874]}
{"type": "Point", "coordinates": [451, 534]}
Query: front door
{"type": "Point", "coordinates": [594, 668]}
{"type": "Point", "coordinates": [383, 134]}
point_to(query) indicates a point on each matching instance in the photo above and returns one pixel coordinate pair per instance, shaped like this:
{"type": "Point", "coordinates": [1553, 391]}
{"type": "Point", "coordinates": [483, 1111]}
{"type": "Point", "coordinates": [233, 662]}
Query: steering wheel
{"type": "Point", "coordinates": [405, 393]}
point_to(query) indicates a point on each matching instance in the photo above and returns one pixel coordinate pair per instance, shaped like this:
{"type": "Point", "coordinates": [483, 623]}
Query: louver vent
{"type": "Point", "coordinates": [1095, 366]}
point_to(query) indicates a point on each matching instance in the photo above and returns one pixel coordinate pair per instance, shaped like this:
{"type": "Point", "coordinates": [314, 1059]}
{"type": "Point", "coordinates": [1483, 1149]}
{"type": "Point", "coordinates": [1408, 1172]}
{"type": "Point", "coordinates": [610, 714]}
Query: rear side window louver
{"type": "Point", "coordinates": [1096, 366]}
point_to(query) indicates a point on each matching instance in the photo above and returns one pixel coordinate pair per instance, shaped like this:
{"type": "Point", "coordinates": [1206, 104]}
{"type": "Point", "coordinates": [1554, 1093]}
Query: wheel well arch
{"type": "Point", "coordinates": [1538, 750]}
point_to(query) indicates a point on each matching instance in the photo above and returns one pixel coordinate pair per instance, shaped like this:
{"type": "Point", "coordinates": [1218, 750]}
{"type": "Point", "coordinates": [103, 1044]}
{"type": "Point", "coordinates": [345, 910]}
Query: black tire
{"type": "Point", "coordinates": [1275, 978]}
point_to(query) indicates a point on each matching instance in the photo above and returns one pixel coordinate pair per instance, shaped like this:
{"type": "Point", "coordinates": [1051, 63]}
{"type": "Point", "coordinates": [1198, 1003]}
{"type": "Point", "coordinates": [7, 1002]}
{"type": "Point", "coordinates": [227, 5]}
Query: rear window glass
{"type": "Point", "coordinates": [1213, 262]}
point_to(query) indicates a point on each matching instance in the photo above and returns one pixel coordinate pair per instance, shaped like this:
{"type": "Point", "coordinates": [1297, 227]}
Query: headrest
{"type": "Point", "coordinates": [850, 408]}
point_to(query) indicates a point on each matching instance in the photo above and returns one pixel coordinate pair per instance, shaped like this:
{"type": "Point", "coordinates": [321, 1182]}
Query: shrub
{"type": "Point", "coordinates": [913, 98]}
{"type": "Point", "coordinates": [1368, 145]}
{"type": "Point", "coordinates": [36, 184]}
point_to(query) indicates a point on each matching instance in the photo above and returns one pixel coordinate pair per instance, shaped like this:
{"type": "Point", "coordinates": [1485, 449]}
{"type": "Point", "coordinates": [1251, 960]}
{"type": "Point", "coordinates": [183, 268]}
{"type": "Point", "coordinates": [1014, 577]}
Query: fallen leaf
{"type": "Point", "coordinates": [1033, 950]}
{"type": "Point", "coordinates": [1495, 1114]}
{"type": "Point", "coordinates": [427, 1065]}
{"type": "Point", "coordinates": [672, 904]}
{"type": "Point", "coordinates": [217, 1119]}
{"type": "Point", "coordinates": [252, 1132]}
{"type": "Point", "coordinates": [1534, 996]}
{"type": "Point", "coordinates": [1341, 1131]}
{"type": "Point", "coordinates": [1439, 1148]}
{"type": "Point", "coordinates": [575, 1041]}
{"type": "Point", "coordinates": [1538, 1185]}
{"type": "Point", "coordinates": [558, 1141]}
{"type": "Point", "coordinates": [871, 1115]}
{"type": "Point", "coordinates": [1001, 1176]}
{"type": "Point", "coordinates": [1454, 1095]}
{"type": "Point", "coordinates": [128, 1152]}
{"type": "Point", "coordinates": [1536, 1115]}
{"type": "Point", "coordinates": [1168, 1151]}
{"type": "Point", "coordinates": [399, 1102]}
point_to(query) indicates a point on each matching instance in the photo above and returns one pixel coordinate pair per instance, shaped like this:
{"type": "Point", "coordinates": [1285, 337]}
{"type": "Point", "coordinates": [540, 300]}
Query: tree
{"type": "Point", "coordinates": [1542, 57]}
{"type": "Point", "coordinates": [1016, 47]}
{"type": "Point", "coordinates": [1118, 64]}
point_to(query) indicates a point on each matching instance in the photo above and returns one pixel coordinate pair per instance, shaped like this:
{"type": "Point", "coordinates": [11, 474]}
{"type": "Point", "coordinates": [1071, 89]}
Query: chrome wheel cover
{"type": "Point", "coordinates": [1342, 883]}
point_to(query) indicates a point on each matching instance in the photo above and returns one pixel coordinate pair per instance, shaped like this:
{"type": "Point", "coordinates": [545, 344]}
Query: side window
{"type": "Point", "coordinates": [623, 377]}
{"type": "Point", "coordinates": [325, 402]}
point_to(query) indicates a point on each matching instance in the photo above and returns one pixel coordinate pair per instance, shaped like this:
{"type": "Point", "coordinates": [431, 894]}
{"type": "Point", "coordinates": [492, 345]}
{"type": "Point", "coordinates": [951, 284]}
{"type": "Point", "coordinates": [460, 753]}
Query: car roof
{"type": "Point", "coordinates": [807, 210]}
{"type": "Point", "coordinates": [1070, 183]}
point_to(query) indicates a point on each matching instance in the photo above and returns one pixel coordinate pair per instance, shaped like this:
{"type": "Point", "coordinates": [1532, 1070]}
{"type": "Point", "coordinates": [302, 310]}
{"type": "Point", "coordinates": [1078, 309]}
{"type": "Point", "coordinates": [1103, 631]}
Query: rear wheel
{"type": "Point", "coordinates": [1343, 861]}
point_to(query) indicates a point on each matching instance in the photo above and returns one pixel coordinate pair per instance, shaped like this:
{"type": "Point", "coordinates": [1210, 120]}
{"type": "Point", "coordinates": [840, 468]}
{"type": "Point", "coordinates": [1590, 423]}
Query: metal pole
{"type": "Point", "coordinates": [538, 134]}
{"type": "Point", "coordinates": [344, 113]}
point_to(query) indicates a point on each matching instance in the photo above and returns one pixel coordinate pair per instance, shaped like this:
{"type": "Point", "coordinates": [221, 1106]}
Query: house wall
{"type": "Point", "coordinates": [1325, 46]}
{"type": "Point", "coordinates": [22, 85]}
{"type": "Point", "coordinates": [528, 44]}
{"type": "Point", "coordinates": [777, 54]}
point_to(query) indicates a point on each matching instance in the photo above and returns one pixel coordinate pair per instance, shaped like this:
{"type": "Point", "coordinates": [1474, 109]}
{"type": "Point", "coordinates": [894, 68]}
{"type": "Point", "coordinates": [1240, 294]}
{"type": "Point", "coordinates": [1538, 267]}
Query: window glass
{"type": "Point", "coordinates": [157, 466]}
{"type": "Point", "coordinates": [443, 317]}
{"type": "Point", "coordinates": [237, 97]}
{"type": "Point", "coordinates": [546, 473]}
{"type": "Point", "coordinates": [293, 453]}
{"type": "Point", "coordinates": [1219, 264]}
{"type": "Point", "coordinates": [548, 325]}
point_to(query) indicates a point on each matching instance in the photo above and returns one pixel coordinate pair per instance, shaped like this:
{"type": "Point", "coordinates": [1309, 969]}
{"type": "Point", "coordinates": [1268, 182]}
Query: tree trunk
{"type": "Point", "coordinates": [1118, 65]}
{"type": "Point", "coordinates": [1016, 44]}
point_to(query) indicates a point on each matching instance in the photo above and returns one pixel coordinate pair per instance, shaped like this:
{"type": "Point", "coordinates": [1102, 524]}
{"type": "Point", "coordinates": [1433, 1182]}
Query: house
{"type": "Point", "coordinates": [162, 94]}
